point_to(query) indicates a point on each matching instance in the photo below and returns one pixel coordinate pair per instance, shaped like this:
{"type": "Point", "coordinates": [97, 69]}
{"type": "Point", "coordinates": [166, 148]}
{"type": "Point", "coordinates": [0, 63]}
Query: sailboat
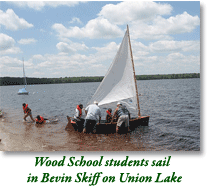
{"type": "Point", "coordinates": [23, 91]}
{"type": "Point", "coordinates": [118, 85]}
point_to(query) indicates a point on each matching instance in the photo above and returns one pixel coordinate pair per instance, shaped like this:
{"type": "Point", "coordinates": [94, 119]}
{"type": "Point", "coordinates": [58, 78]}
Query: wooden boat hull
{"type": "Point", "coordinates": [108, 128]}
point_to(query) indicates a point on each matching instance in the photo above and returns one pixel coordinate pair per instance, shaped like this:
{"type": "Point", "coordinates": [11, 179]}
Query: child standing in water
{"type": "Point", "coordinates": [27, 112]}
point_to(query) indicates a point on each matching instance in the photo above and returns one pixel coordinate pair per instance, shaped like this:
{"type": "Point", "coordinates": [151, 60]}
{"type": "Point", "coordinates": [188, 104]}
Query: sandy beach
{"type": "Point", "coordinates": [17, 135]}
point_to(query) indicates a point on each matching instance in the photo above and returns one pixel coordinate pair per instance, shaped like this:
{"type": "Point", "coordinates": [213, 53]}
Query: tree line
{"type": "Point", "coordinates": [4, 81]}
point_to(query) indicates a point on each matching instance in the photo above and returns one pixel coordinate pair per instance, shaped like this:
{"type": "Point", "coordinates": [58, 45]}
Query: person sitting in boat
{"type": "Point", "coordinates": [78, 112]}
{"type": "Point", "coordinates": [123, 114]}
{"type": "Point", "coordinates": [27, 112]}
{"type": "Point", "coordinates": [93, 115]}
{"type": "Point", "coordinates": [39, 119]}
{"type": "Point", "coordinates": [108, 116]}
{"type": "Point", "coordinates": [78, 115]}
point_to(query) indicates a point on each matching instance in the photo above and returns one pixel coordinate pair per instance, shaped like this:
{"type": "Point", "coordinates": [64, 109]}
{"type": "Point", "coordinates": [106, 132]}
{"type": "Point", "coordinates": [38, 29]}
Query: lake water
{"type": "Point", "coordinates": [173, 106]}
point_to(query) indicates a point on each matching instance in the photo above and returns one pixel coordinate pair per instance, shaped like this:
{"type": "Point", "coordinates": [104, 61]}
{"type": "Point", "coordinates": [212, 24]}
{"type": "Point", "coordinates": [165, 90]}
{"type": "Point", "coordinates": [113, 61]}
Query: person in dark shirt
{"type": "Point", "coordinates": [123, 116]}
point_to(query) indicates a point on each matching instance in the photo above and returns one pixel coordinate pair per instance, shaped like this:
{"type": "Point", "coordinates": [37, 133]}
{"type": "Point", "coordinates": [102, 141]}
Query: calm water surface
{"type": "Point", "coordinates": [173, 107]}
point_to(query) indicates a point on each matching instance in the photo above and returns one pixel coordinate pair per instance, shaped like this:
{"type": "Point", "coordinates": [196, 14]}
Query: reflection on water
{"type": "Point", "coordinates": [173, 107]}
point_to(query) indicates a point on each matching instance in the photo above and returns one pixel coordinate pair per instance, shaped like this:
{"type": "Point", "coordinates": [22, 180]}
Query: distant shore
{"type": "Point", "coordinates": [6, 81]}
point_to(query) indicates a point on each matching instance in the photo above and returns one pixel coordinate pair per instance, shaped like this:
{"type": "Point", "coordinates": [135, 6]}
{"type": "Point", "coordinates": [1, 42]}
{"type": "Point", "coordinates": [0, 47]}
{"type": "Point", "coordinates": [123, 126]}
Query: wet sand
{"type": "Point", "coordinates": [17, 135]}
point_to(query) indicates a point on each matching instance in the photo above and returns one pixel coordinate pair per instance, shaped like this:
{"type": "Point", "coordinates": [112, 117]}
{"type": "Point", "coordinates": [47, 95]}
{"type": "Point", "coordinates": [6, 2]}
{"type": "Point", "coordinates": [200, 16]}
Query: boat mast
{"type": "Point", "coordinates": [24, 74]}
{"type": "Point", "coordinates": [138, 105]}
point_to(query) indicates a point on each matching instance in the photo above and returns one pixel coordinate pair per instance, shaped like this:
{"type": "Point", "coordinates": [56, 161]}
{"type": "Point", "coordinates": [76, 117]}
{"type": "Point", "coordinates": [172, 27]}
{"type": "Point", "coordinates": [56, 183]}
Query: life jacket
{"type": "Point", "coordinates": [39, 121]}
{"type": "Point", "coordinates": [80, 111]}
{"type": "Point", "coordinates": [108, 116]}
{"type": "Point", "coordinates": [108, 112]}
{"type": "Point", "coordinates": [25, 108]}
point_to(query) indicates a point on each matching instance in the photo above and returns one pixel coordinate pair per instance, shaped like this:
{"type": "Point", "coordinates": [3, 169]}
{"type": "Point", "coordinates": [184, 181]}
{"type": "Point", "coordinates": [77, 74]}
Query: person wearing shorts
{"type": "Point", "coordinates": [27, 112]}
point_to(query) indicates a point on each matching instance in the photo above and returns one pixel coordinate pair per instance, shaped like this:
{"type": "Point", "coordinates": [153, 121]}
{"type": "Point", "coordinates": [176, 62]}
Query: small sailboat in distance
{"type": "Point", "coordinates": [23, 91]}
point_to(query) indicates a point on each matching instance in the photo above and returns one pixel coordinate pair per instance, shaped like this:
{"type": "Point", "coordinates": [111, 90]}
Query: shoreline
{"type": "Point", "coordinates": [27, 137]}
{"type": "Point", "coordinates": [4, 81]}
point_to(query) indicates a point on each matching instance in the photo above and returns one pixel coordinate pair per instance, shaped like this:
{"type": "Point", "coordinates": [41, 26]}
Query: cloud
{"type": "Point", "coordinates": [6, 41]}
{"type": "Point", "coordinates": [111, 47]}
{"type": "Point", "coordinates": [139, 50]}
{"type": "Point", "coordinates": [174, 46]}
{"type": "Point", "coordinates": [164, 57]}
{"type": "Point", "coordinates": [182, 23]}
{"type": "Point", "coordinates": [173, 63]}
{"type": "Point", "coordinates": [75, 64]}
{"type": "Point", "coordinates": [39, 5]}
{"type": "Point", "coordinates": [95, 28]}
{"type": "Point", "coordinates": [75, 20]}
{"type": "Point", "coordinates": [174, 56]}
{"type": "Point", "coordinates": [39, 74]}
{"type": "Point", "coordinates": [12, 22]}
{"type": "Point", "coordinates": [180, 62]}
{"type": "Point", "coordinates": [10, 61]}
{"type": "Point", "coordinates": [161, 28]}
{"type": "Point", "coordinates": [38, 57]}
{"type": "Point", "coordinates": [71, 47]}
{"type": "Point", "coordinates": [98, 62]}
{"type": "Point", "coordinates": [129, 11]}
{"type": "Point", "coordinates": [11, 64]}
{"type": "Point", "coordinates": [105, 53]}
{"type": "Point", "coordinates": [7, 45]}
{"type": "Point", "coordinates": [144, 18]}
{"type": "Point", "coordinates": [27, 41]}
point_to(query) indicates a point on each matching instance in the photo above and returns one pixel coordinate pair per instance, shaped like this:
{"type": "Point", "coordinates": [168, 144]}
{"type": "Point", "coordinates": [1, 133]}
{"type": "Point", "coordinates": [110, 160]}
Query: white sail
{"type": "Point", "coordinates": [23, 90]}
{"type": "Point", "coordinates": [119, 83]}
{"type": "Point", "coordinates": [25, 82]}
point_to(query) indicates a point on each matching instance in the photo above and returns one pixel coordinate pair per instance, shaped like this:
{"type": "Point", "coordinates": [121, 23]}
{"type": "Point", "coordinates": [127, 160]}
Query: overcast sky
{"type": "Point", "coordinates": [59, 39]}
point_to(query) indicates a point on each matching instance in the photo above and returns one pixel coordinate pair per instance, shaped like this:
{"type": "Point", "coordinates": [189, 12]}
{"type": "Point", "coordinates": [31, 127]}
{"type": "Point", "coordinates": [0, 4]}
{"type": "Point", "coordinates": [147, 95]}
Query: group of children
{"type": "Point", "coordinates": [78, 114]}
{"type": "Point", "coordinates": [27, 112]}
{"type": "Point", "coordinates": [121, 115]}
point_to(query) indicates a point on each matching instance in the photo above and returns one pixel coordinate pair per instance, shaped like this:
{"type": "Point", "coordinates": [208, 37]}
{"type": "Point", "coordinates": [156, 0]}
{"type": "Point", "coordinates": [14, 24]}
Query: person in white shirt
{"type": "Point", "coordinates": [93, 115]}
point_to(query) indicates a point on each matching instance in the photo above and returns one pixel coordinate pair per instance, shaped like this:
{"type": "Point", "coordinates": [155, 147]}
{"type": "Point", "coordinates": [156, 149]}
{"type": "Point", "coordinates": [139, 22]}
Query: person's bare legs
{"type": "Point", "coordinates": [32, 117]}
{"type": "Point", "coordinates": [25, 116]}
